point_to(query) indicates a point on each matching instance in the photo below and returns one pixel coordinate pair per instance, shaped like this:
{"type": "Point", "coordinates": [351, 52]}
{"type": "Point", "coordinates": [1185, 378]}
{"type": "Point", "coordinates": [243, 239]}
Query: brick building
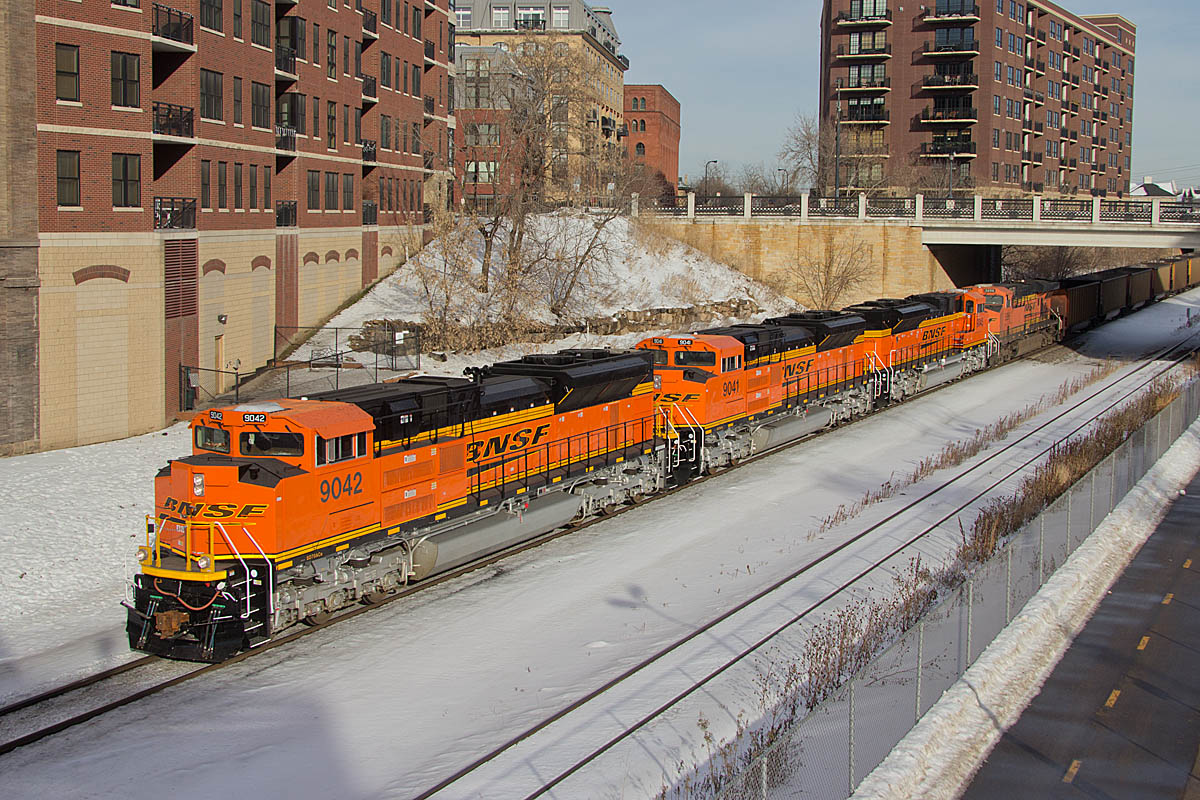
{"type": "Point", "coordinates": [1017, 95]}
{"type": "Point", "coordinates": [185, 176]}
{"type": "Point", "coordinates": [652, 114]}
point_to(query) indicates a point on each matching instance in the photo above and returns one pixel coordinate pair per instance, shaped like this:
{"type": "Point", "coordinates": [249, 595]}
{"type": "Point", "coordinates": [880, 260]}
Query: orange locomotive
{"type": "Point", "coordinates": [291, 509]}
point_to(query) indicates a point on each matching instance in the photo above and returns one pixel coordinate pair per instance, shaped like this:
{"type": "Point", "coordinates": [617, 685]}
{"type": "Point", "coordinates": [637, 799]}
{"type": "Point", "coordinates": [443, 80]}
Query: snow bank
{"type": "Point", "coordinates": [940, 755]}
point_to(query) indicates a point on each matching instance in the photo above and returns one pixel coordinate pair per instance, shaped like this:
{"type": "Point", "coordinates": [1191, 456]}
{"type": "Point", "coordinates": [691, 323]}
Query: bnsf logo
{"type": "Point", "coordinates": [507, 443]}
{"type": "Point", "coordinates": [673, 397]}
{"type": "Point", "coordinates": [932, 334]}
{"type": "Point", "coordinates": [213, 510]}
{"type": "Point", "coordinates": [797, 369]}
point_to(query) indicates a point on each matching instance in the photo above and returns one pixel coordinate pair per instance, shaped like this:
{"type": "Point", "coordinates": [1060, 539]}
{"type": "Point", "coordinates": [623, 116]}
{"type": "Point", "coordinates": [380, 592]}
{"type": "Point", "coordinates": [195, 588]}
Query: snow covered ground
{"type": "Point", "coordinates": [397, 699]}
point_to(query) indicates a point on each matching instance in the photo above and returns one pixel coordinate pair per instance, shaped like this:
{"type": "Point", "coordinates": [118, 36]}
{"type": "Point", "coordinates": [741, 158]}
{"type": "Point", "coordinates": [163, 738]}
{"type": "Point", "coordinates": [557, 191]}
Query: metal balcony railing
{"type": "Point", "coordinates": [174, 213]}
{"type": "Point", "coordinates": [871, 18]}
{"type": "Point", "coordinates": [532, 24]}
{"type": "Point", "coordinates": [370, 214]}
{"type": "Point", "coordinates": [949, 81]}
{"type": "Point", "coordinates": [861, 114]}
{"type": "Point", "coordinates": [963, 14]}
{"type": "Point", "coordinates": [845, 51]}
{"type": "Point", "coordinates": [949, 48]}
{"type": "Point", "coordinates": [285, 214]}
{"type": "Point", "coordinates": [864, 83]}
{"type": "Point", "coordinates": [369, 87]}
{"type": "Point", "coordinates": [948, 147]}
{"type": "Point", "coordinates": [429, 103]}
{"type": "Point", "coordinates": [370, 23]}
{"type": "Point", "coordinates": [285, 138]}
{"type": "Point", "coordinates": [430, 50]}
{"type": "Point", "coordinates": [285, 59]}
{"type": "Point", "coordinates": [172, 24]}
{"type": "Point", "coordinates": [128, 3]}
{"type": "Point", "coordinates": [369, 150]}
{"type": "Point", "coordinates": [173, 120]}
{"type": "Point", "coordinates": [948, 114]}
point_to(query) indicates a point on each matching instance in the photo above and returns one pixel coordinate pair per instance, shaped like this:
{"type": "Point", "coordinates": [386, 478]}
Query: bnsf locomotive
{"type": "Point", "coordinates": [292, 509]}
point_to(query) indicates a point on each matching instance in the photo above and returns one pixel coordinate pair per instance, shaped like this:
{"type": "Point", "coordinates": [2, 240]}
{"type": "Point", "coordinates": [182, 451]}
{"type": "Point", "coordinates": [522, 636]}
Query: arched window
{"type": "Point", "coordinates": [643, 104]}
{"type": "Point", "coordinates": [640, 149]}
{"type": "Point", "coordinates": [643, 124]}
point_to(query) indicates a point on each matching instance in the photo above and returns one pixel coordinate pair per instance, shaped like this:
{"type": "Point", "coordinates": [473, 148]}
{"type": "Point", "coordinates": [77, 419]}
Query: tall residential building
{"type": "Point", "coordinates": [589, 124]}
{"type": "Point", "coordinates": [991, 95]}
{"type": "Point", "coordinates": [192, 179]}
{"type": "Point", "coordinates": [653, 117]}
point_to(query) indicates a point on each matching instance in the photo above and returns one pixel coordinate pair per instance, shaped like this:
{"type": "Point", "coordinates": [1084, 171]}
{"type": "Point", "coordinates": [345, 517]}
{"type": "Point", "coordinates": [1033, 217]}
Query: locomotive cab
{"type": "Point", "coordinates": [690, 375]}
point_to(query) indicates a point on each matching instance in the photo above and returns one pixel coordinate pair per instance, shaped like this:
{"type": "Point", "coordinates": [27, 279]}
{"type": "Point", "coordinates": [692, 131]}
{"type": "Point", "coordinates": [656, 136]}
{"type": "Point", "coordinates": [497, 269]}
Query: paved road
{"type": "Point", "coordinates": [1120, 716]}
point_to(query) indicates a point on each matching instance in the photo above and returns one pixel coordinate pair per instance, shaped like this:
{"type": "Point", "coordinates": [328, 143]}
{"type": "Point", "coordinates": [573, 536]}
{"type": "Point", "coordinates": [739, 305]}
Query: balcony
{"type": "Point", "coordinates": [1041, 36]}
{"type": "Point", "coordinates": [844, 51]}
{"type": "Point", "coordinates": [1035, 188]}
{"type": "Point", "coordinates": [1040, 67]}
{"type": "Point", "coordinates": [429, 105]}
{"type": "Point", "coordinates": [963, 48]}
{"type": "Point", "coordinates": [1039, 98]}
{"type": "Point", "coordinates": [430, 51]}
{"type": "Point", "coordinates": [870, 116]}
{"type": "Point", "coordinates": [1075, 53]}
{"type": "Point", "coordinates": [964, 81]}
{"type": "Point", "coordinates": [282, 3]}
{"type": "Point", "coordinates": [285, 64]}
{"type": "Point", "coordinates": [1027, 93]}
{"type": "Point", "coordinates": [1026, 157]}
{"type": "Point", "coordinates": [965, 14]}
{"type": "Point", "coordinates": [174, 213]}
{"type": "Point", "coordinates": [370, 150]}
{"type": "Point", "coordinates": [949, 148]}
{"type": "Point", "coordinates": [370, 25]}
{"type": "Point", "coordinates": [623, 59]}
{"type": "Point", "coordinates": [1027, 125]}
{"type": "Point", "coordinates": [370, 94]}
{"type": "Point", "coordinates": [285, 138]}
{"type": "Point", "coordinates": [427, 160]}
{"type": "Point", "coordinates": [846, 19]}
{"type": "Point", "coordinates": [949, 115]}
{"type": "Point", "coordinates": [1039, 129]}
{"type": "Point", "coordinates": [370, 214]}
{"type": "Point", "coordinates": [1030, 30]}
{"type": "Point", "coordinates": [172, 120]}
{"type": "Point", "coordinates": [172, 31]}
{"type": "Point", "coordinates": [285, 214]}
{"type": "Point", "coordinates": [864, 85]}
{"type": "Point", "coordinates": [1074, 108]}
{"type": "Point", "coordinates": [1039, 157]}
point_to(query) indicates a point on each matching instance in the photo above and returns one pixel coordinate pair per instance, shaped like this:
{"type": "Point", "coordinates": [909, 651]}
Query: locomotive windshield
{"type": "Point", "coordinates": [660, 356]}
{"type": "Point", "coordinates": [213, 439]}
{"type": "Point", "coordinates": [271, 443]}
{"type": "Point", "coordinates": [994, 302]}
{"type": "Point", "coordinates": [699, 358]}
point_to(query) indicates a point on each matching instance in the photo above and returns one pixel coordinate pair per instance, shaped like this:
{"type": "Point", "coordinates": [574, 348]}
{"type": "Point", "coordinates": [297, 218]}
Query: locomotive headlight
{"type": "Point", "coordinates": [198, 484]}
{"type": "Point", "coordinates": [143, 554]}
{"type": "Point", "coordinates": [658, 381]}
{"type": "Point", "coordinates": [204, 562]}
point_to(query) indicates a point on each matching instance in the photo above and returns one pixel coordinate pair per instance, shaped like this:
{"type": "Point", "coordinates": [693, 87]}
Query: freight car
{"type": "Point", "coordinates": [290, 510]}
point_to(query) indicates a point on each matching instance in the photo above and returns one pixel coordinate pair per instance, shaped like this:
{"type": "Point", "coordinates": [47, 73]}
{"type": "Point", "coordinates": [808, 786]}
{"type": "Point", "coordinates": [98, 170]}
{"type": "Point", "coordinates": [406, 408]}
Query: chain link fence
{"type": "Point", "coordinates": [838, 743]}
{"type": "Point", "coordinates": [310, 359]}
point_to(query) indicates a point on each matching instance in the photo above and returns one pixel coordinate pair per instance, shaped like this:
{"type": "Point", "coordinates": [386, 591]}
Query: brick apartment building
{"type": "Point", "coordinates": [653, 117]}
{"type": "Point", "coordinates": [1000, 95]}
{"type": "Point", "coordinates": [184, 176]}
{"type": "Point", "coordinates": [489, 34]}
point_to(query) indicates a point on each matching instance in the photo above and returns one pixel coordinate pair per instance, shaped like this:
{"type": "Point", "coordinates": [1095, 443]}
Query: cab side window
{"type": "Point", "coordinates": [731, 363]}
{"type": "Point", "coordinates": [341, 448]}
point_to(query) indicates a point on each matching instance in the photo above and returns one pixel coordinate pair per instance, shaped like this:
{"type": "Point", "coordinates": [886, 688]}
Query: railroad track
{"type": "Point", "coordinates": [549, 783]}
{"type": "Point", "coordinates": [32, 719]}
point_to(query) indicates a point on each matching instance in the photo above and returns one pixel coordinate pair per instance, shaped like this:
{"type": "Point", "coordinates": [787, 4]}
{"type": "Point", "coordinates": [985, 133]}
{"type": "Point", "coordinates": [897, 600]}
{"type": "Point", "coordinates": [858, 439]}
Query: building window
{"type": "Point", "coordinates": [237, 185]}
{"type": "Point", "coordinates": [260, 23]}
{"type": "Point", "coordinates": [126, 180]}
{"type": "Point", "coordinates": [331, 125]}
{"type": "Point", "coordinates": [463, 18]}
{"type": "Point", "coordinates": [385, 132]}
{"type": "Point", "coordinates": [314, 190]}
{"type": "Point", "coordinates": [345, 55]}
{"type": "Point", "coordinates": [266, 186]}
{"type": "Point", "coordinates": [222, 194]}
{"type": "Point", "coordinates": [331, 191]}
{"type": "Point", "coordinates": [347, 191]}
{"type": "Point", "coordinates": [316, 129]}
{"type": "Point", "coordinates": [562, 17]}
{"type": "Point", "coordinates": [68, 178]}
{"type": "Point", "coordinates": [66, 73]}
{"type": "Point", "coordinates": [331, 54]}
{"type": "Point", "coordinates": [500, 18]}
{"type": "Point", "coordinates": [385, 12]}
{"type": "Point", "coordinates": [385, 70]}
{"type": "Point", "coordinates": [531, 17]}
{"type": "Point", "coordinates": [206, 184]}
{"type": "Point", "coordinates": [253, 175]}
{"type": "Point", "coordinates": [126, 80]}
{"type": "Point", "coordinates": [210, 14]}
{"type": "Point", "coordinates": [640, 149]}
{"type": "Point", "coordinates": [237, 101]}
{"type": "Point", "coordinates": [346, 124]}
{"type": "Point", "coordinates": [237, 19]}
{"type": "Point", "coordinates": [481, 172]}
{"type": "Point", "coordinates": [260, 105]}
{"type": "Point", "coordinates": [316, 58]}
{"type": "Point", "coordinates": [210, 95]}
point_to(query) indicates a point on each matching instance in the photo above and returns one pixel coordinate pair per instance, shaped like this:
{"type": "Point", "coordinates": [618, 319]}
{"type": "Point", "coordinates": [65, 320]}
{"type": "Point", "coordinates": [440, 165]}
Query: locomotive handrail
{"type": "Point", "coordinates": [245, 568]}
{"type": "Point", "coordinates": [270, 578]}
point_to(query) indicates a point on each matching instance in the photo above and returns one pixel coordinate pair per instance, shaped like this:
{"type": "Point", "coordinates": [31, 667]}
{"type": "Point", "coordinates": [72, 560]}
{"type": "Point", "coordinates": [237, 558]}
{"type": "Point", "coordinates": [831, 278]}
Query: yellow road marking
{"type": "Point", "coordinates": [1187, 564]}
{"type": "Point", "coordinates": [1167, 600]}
{"type": "Point", "coordinates": [1142, 644]}
{"type": "Point", "coordinates": [1071, 771]}
{"type": "Point", "coordinates": [1112, 698]}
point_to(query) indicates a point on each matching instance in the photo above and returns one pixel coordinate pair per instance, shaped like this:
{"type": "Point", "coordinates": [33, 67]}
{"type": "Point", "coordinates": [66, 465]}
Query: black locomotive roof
{"type": "Point", "coordinates": [830, 329]}
{"type": "Point", "coordinates": [764, 340]}
{"type": "Point", "coordinates": [579, 378]}
{"type": "Point", "coordinates": [942, 303]}
{"type": "Point", "coordinates": [895, 315]}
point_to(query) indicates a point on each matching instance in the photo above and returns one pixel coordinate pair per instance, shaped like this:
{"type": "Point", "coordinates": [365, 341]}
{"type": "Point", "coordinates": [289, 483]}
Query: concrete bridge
{"type": "Point", "coordinates": [917, 244]}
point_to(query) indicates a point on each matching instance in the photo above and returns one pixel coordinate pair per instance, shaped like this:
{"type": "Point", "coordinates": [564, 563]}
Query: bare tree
{"type": "Point", "coordinates": [830, 265]}
{"type": "Point", "coordinates": [1051, 263]}
{"type": "Point", "coordinates": [826, 156]}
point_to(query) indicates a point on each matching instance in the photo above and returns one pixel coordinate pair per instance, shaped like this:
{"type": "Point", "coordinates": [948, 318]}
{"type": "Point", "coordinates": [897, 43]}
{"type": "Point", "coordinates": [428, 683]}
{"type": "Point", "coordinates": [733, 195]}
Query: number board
{"type": "Point", "coordinates": [217, 415]}
{"type": "Point", "coordinates": [254, 417]}
{"type": "Point", "coordinates": [685, 342]}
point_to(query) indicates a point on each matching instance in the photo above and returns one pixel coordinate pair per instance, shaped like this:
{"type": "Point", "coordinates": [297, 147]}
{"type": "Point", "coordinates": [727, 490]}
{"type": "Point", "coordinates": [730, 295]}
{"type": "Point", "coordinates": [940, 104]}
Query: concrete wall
{"type": "Point", "coordinates": [769, 249]}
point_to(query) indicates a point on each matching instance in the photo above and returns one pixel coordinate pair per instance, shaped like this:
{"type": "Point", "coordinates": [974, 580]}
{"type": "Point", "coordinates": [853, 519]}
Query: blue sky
{"type": "Point", "coordinates": [743, 70]}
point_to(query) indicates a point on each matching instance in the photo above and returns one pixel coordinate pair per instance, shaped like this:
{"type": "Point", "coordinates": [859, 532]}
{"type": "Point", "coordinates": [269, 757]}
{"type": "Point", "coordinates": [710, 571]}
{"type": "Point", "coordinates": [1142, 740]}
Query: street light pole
{"type": "Point", "coordinates": [707, 190]}
{"type": "Point", "coordinates": [783, 182]}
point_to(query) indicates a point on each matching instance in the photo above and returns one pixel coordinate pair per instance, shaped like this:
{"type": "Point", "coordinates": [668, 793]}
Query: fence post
{"type": "Point", "coordinates": [1070, 541]}
{"type": "Point", "coordinates": [691, 205]}
{"type": "Point", "coordinates": [1041, 547]}
{"type": "Point", "coordinates": [850, 760]}
{"type": "Point", "coordinates": [633, 205]}
{"type": "Point", "coordinates": [1092, 504]}
{"type": "Point", "coordinates": [1037, 208]}
{"type": "Point", "coordinates": [746, 203]}
{"type": "Point", "coordinates": [762, 775]}
{"type": "Point", "coordinates": [978, 208]}
{"type": "Point", "coordinates": [920, 666]}
{"type": "Point", "coordinates": [1096, 210]}
{"type": "Point", "coordinates": [1155, 210]}
{"type": "Point", "coordinates": [970, 620]}
{"type": "Point", "coordinates": [920, 213]}
{"type": "Point", "coordinates": [804, 207]}
{"type": "Point", "coordinates": [862, 206]}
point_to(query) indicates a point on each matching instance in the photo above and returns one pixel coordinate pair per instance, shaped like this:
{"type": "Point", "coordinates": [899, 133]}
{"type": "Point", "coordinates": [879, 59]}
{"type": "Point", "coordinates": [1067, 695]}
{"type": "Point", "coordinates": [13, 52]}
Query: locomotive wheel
{"type": "Point", "coordinates": [609, 509]}
{"type": "Point", "coordinates": [315, 620]}
{"type": "Point", "coordinates": [375, 598]}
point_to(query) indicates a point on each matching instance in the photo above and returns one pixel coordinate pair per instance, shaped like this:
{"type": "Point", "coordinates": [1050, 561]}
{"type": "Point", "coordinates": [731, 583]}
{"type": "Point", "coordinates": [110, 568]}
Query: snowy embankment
{"type": "Point", "coordinates": [400, 698]}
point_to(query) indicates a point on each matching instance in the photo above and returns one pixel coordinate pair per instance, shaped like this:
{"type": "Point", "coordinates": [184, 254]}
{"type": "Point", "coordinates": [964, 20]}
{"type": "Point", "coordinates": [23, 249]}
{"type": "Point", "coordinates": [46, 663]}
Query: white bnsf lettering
{"type": "Point", "coordinates": [254, 417]}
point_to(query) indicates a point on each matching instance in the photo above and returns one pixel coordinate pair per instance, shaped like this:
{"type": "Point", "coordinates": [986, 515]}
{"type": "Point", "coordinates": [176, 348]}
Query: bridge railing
{"type": "Point", "coordinates": [960, 208]}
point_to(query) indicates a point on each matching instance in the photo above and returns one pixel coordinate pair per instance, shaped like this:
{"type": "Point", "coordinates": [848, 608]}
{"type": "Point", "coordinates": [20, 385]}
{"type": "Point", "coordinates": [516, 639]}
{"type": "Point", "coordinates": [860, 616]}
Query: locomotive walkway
{"type": "Point", "coordinates": [1120, 715]}
{"type": "Point", "coordinates": [970, 220]}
